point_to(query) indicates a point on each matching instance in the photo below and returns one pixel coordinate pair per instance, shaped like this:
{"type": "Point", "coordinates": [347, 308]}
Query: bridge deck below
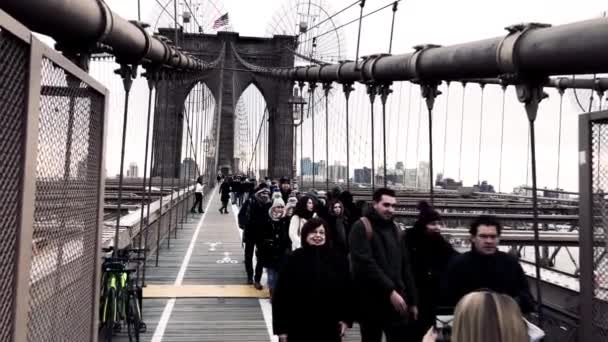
{"type": "Point", "coordinates": [206, 252]}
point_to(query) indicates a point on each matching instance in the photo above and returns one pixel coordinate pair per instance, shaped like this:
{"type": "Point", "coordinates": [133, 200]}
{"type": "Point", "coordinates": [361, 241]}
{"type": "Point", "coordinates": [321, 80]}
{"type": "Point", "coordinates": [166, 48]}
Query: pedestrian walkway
{"type": "Point", "coordinates": [198, 291]}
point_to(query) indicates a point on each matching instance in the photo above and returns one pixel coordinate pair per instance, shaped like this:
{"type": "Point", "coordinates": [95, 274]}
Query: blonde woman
{"type": "Point", "coordinates": [484, 316]}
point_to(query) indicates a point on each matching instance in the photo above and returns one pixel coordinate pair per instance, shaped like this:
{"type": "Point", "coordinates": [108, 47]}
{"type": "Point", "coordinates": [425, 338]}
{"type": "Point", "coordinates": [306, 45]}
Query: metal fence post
{"type": "Point", "coordinates": [585, 228]}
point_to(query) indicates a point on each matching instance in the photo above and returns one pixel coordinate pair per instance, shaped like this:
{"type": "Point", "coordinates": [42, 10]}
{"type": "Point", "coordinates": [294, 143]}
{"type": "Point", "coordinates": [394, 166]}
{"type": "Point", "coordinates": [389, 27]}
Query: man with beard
{"type": "Point", "coordinates": [381, 273]}
{"type": "Point", "coordinates": [430, 255]}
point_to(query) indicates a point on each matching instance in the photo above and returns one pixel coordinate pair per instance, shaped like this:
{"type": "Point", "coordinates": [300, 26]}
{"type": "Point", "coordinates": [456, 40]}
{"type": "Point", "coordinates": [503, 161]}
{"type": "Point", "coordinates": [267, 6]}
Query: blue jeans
{"type": "Point", "coordinates": [273, 277]}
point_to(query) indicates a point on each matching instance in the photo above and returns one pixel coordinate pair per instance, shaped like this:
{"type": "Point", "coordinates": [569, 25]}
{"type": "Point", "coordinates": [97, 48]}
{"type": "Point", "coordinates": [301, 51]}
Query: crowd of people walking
{"type": "Point", "coordinates": [331, 262]}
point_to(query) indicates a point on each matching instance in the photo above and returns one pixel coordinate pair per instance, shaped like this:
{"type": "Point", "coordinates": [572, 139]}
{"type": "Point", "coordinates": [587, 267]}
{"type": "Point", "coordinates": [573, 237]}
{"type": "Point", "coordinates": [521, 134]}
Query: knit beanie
{"type": "Point", "coordinates": [276, 202]}
{"type": "Point", "coordinates": [427, 213]}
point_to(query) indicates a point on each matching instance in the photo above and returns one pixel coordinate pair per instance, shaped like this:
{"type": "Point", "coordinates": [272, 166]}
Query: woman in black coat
{"type": "Point", "coordinates": [311, 300]}
{"type": "Point", "coordinates": [429, 254]}
{"type": "Point", "coordinates": [225, 195]}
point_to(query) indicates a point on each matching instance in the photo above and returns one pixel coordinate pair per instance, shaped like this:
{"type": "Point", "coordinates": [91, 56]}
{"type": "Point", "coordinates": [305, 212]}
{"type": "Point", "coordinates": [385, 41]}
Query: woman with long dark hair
{"type": "Point", "coordinates": [305, 210]}
{"type": "Point", "coordinates": [312, 299]}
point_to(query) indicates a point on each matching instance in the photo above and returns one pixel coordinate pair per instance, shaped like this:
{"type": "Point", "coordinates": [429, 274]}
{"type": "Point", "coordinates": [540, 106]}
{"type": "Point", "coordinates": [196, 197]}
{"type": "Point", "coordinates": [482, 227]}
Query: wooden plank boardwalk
{"type": "Point", "coordinates": [207, 251]}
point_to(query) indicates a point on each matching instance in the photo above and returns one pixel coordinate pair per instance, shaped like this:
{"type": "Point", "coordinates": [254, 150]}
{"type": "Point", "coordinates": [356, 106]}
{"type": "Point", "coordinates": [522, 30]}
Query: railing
{"type": "Point", "coordinates": [52, 123]}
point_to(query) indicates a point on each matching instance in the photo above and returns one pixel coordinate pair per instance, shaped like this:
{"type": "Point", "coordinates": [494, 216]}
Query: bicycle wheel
{"type": "Point", "coordinates": [134, 318]}
{"type": "Point", "coordinates": [109, 314]}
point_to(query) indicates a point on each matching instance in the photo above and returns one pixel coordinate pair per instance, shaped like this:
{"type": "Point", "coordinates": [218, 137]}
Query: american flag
{"type": "Point", "coordinates": [221, 21]}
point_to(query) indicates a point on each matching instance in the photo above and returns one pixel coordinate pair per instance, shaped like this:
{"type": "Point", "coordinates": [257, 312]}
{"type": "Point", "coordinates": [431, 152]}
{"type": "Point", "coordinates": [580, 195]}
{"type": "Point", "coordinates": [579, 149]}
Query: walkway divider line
{"type": "Point", "coordinates": [265, 305]}
{"type": "Point", "coordinates": [159, 332]}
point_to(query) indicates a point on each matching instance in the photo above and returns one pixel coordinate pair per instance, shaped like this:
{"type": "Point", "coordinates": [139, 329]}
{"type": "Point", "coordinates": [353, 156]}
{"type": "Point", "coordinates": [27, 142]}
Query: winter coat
{"type": "Point", "coordinates": [429, 256]}
{"type": "Point", "coordinates": [225, 191]}
{"type": "Point", "coordinates": [312, 296]}
{"type": "Point", "coordinates": [499, 272]}
{"type": "Point", "coordinates": [274, 245]}
{"type": "Point", "coordinates": [338, 230]}
{"type": "Point", "coordinates": [257, 213]}
{"type": "Point", "coordinates": [295, 227]}
{"type": "Point", "coordinates": [379, 266]}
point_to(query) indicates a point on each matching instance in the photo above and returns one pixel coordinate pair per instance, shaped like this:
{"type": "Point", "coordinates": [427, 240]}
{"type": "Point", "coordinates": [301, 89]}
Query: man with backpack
{"type": "Point", "coordinates": [384, 286]}
{"type": "Point", "coordinates": [253, 218]}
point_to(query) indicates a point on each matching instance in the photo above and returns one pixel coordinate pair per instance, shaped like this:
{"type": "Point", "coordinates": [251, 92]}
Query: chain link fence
{"type": "Point", "coordinates": [63, 272]}
{"type": "Point", "coordinates": [599, 164]}
{"type": "Point", "coordinates": [14, 57]}
{"type": "Point", "coordinates": [51, 141]}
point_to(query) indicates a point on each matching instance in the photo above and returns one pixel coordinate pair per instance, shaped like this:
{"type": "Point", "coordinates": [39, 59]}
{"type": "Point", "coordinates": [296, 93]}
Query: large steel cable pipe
{"type": "Point", "coordinates": [84, 23]}
{"type": "Point", "coordinates": [529, 50]}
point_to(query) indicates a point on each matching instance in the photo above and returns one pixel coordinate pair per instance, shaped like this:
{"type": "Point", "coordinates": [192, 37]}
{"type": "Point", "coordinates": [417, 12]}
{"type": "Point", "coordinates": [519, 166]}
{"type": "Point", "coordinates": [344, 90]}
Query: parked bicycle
{"type": "Point", "coordinates": [120, 295]}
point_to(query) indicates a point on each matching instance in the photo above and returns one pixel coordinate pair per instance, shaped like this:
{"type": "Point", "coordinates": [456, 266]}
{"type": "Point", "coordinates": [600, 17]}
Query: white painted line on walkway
{"type": "Point", "coordinates": [159, 332]}
{"type": "Point", "coordinates": [264, 303]}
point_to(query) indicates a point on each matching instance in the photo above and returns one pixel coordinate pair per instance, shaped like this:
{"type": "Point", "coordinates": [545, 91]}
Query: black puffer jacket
{"type": "Point", "coordinates": [379, 266]}
{"type": "Point", "coordinates": [274, 245]}
{"type": "Point", "coordinates": [499, 272]}
{"type": "Point", "coordinates": [312, 296]}
{"type": "Point", "coordinates": [430, 255]}
{"type": "Point", "coordinates": [257, 218]}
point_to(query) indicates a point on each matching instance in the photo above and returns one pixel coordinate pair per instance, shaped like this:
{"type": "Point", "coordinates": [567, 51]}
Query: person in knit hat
{"type": "Point", "coordinates": [429, 254]}
{"type": "Point", "coordinates": [275, 245]}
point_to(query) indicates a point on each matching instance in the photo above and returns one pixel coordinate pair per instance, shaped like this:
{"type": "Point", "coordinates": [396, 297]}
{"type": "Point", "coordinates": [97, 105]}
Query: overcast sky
{"type": "Point", "coordinates": [417, 21]}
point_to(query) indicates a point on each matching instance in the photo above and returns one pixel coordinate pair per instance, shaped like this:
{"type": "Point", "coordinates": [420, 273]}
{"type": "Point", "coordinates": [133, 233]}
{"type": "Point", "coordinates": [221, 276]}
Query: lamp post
{"type": "Point", "coordinates": [298, 118]}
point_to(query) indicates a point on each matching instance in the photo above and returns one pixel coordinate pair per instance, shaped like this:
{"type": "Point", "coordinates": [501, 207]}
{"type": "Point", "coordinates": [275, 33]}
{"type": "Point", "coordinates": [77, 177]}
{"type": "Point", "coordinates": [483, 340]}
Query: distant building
{"type": "Point", "coordinates": [133, 171]}
{"type": "Point", "coordinates": [337, 172]}
{"type": "Point", "coordinates": [306, 165]}
{"type": "Point", "coordinates": [188, 169]}
{"type": "Point", "coordinates": [363, 176]}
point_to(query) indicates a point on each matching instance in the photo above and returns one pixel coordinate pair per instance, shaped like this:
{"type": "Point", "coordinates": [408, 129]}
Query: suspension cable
{"type": "Point", "coordinates": [464, 88]}
{"type": "Point", "coordinates": [332, 16]}
{"type": "Point", "coordinates": [559, 136]}
{"type": "Point", "coordinates": [143, 196]}
{"type": "Point", "coordinates": [407, 128]}
{"type": "Point", "coordinates": [445, 129]}
{"type": "Point", "coordinates": [390, 44]}
{"type": "Point", "coordinates": [326, 88]}
{"type": "Point", "coordinates": [362, 4]}
{"type": "Point", "coordinates": [482, 85]}
{"type": "Point", "coordinates": [502, 130]}
{"type": "Point", "coordinates": [418, 142]}
{"type": "Point", "coordinates": [350, 22]}
{"type": "Point", "coordinates": [126, 73]}
{"type": "Point", "coordinates": [371, 91]}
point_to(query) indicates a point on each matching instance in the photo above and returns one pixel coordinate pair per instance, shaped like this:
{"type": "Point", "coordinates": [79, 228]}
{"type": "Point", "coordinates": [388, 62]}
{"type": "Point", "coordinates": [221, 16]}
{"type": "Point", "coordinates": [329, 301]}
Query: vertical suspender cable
{"type": "Point", "coordinates": [502, 131]}
{"type": "Point", "coordinates": [431, 179]}
{"type": "Point", "coordinates": [464, 88]}
{"type": "Point", "coordinates": [312, 87]}
{"type": "Point", "coordinates": [327, 87]}
{"type": "Point", "coordinates": [480, 134]}
{"type": "Point", "coordinates": [162, 148]}
{"type": "Point", "coordinates": [384, 91]}
{"type": "Point", "coordinates": [143, 190]}
{"type": "Point", "coordinates": [535, 224]}
{"type": "Point", "coordinates": [301, 135]}
{"type": "Point", "coordinates": [445, 128]}
{"type": "Point", "coordinates": [125, 72]}
{"type": "Point", "coordinates": [371, 91]}
{"type": "Point", "coordinates": [348, 88]}
{"type": "Point", "coordinates": [407, 131]}
{"type": "Point", "coordinates": [559, 136]}
{"type": "Point", "coordinates": [416, 165]}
